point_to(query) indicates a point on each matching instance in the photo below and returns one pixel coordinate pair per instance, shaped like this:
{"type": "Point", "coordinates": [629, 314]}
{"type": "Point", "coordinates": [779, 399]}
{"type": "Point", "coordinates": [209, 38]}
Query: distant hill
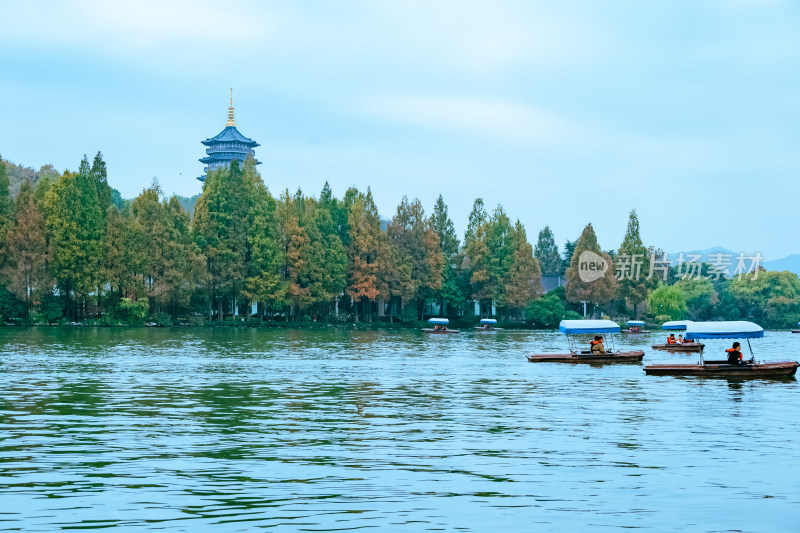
{"type": "Point", "coordinates": [17, 174]}
{"type": "Point", "coordinates": [188, 203]}
{"type": "Point", "coordinates": [703, 253]}
{"type": "Point", "coordinates": [790, 263]}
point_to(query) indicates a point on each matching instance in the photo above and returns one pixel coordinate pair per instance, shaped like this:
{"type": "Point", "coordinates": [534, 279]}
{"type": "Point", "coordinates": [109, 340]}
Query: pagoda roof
{"type": "Point", "coordinates": [230, 134]}
{"type": "Point", "coordinates": [241, 157]}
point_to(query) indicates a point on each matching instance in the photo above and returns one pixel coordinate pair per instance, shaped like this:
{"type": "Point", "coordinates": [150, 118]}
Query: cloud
{"type": "Point", "coordinates": [498, 119]}
{"type": "Point", "coordinates": [515, 123]}
{"type": "Point", "coordinates": [148, 30]}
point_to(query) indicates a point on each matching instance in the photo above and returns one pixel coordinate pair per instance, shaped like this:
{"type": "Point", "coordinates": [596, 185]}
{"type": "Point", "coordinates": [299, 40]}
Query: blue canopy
{"type": "Point", "coordinates": [488, 321]}
{"type": "Point", "coordinates": [634, 323]}
{"type": "Point", "coordinates": [572, 327]}
{"type": "Point", "coordinates": [739, 329]}
{"type": "Point", "coordinates": [438, 321]}
{"type": "Point", "coordinates": [676, 324]}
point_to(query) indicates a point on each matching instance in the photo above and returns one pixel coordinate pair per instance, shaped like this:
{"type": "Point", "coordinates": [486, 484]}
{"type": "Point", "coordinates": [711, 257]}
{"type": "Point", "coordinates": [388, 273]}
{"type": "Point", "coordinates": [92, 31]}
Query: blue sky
{"type": "Point", "coordinates": [565, 112]}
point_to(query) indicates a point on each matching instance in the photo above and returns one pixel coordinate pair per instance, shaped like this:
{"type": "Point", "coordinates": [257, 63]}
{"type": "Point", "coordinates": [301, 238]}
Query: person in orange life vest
{"type": "Point", "coordinates": [671, 339]}
{"type": "Point", "coordinates": [597, 346]}
{"type": "Point", "coordinates": [735, 354]}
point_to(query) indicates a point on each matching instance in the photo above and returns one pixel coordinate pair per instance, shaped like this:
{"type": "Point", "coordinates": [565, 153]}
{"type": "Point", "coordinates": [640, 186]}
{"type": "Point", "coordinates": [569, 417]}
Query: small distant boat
{"type": "Point", "coordinates": [678, 325]}
{"type": "Point", "coordinates": [796, 330]}
{"type": "Point", "coordinates": [711, 368]}
{"type": "Point", "coordinates": [439, 326]}
{"type": "Point", "coordinates": [488, 324]}
{"type": "Point", "coordinates": [596, 327]}
{"type": "Point", "coordinates": [635, 327]}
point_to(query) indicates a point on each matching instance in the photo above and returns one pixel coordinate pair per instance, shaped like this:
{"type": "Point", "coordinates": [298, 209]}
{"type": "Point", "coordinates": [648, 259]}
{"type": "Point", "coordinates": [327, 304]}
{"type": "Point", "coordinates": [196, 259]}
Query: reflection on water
{"type": "Point", "coordinates": [329, 430]}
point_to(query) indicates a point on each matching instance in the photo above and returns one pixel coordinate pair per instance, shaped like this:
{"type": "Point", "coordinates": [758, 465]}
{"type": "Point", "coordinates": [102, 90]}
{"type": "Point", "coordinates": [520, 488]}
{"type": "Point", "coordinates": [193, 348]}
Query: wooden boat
{"type": "Point", "coordinates": [723, 369]}
{"type": "Point", "coordinates": [488, 324]}
{"type": "Point", "coordinates": [714, 368]}
{"type": "Point", "coordinates": [635, 327]}
{"type": "Point", "coordinates": [680, 347]}
{"type": "Point", "coordinates": [597, 327]}
{"type": "Point", "coordinates": [633, 356]}
{"type": "Point", "coordinates": [796, 331]}
{"type": "Point", "coordinates": [678, 325]}
{"type": "Point", "coordinates": [440, 327]}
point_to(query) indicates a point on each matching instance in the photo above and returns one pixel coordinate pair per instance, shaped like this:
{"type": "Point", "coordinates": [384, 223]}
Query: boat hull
{"type": "Point", "coordinates": [683, 347]}
{"type": "Point", "coordinates": [717, 369]}
{"type": "Point", "coordinates": [440, 331]}
{"type": "Point", "coordinates": [636, 332]}
{"type": "Point", "coordinates": [620, 357]}
{"type": "Point", "coordinates": [796, 331]}
{"type": "Point", "coordinates": [480, 328]}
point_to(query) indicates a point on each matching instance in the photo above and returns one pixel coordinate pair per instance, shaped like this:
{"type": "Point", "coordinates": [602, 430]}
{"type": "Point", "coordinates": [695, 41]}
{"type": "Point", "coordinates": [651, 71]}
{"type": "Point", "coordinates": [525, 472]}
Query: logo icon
{"type": "Point", "coordinates": [591, 266]}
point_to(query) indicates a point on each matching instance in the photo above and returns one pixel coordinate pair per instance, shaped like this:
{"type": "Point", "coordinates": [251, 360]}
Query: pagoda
{"type": "Point", "coordinates": [226, 146]}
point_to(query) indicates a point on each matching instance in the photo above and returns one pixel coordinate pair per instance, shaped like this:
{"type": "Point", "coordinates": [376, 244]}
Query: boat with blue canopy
{"type": "Point", "coordinates": [488, 324]}
{"type": "Point", "coordinates": [599, 328]}
{"type": "Point", "coordinates": [439, 326]}
{"type": "Point", "coordinates": [724, 368]}
{"type": "Point", "coordinates": [635, 327]}
{"type": "Point", "coordinates": [675, 345]}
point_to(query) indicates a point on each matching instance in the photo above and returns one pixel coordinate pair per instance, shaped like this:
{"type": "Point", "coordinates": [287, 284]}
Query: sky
{"type": "Point", "coordinates": [564, 112]}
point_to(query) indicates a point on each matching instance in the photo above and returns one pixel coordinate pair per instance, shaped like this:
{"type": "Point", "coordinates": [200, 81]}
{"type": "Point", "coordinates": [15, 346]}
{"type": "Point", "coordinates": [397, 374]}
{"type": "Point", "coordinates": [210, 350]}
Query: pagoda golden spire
{"type": "Point", "coordinates": [231, 122]}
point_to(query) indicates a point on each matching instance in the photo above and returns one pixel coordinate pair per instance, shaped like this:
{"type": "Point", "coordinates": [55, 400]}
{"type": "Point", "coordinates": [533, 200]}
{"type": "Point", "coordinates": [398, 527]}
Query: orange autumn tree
{"type": "Point", "coordinates": [364, 235]}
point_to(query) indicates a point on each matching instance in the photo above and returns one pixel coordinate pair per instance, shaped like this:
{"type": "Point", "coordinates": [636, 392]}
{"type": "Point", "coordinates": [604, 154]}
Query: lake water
{"type": "Point", "coordinates": [335, 430]}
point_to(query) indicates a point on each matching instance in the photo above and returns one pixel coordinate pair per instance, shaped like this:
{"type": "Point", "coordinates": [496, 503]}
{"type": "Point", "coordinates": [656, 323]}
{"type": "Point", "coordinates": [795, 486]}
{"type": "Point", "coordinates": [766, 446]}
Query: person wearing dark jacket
{"type": "Point", "coordinates": [735, 354]}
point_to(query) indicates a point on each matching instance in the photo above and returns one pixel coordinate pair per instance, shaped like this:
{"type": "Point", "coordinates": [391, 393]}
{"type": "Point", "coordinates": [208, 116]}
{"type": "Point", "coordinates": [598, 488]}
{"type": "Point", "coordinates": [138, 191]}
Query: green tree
{"type": "Point", "coordinates": [477, 217]}
{"type": "Point", "coordinates": [522, 283]}
{"type": "Point", "coordinates": [76, 227]}
{"type": "Point", "coordinates": [668, 301]}
{"type": "Point", "coordinates": [265, 282]}
{"type": "Point", "coordinates": [223, 218]}
{"type": "Point", "coordinates": [550, 310]}
{"type": "Point", "coordinates": [99, 175]}
{"type": "Point", "coordinates": [701, 298]}
{"type": "Point", "coordinates": [771, 299]}
{"type": "Point", "coordinates": [546, 252]}
{"type": "Point", "coordinates": [633, 264]}
{"type": "Point", "coordinates": [6, 206]}
{"type": "Point", "coordinates": [411, 232]}
{"type": "Point", "coordinates": [450, 294]}
{"type": "Point", "coordinates": [295, 245]}
{"type": "Point", "coordinates": [598, 291]}
{"type": "Point", "coordinates": [569, 249]}
{"type": "Point", "coordinates": [329, 257]}
{"type": "Point", "coordinates": [124, 257]}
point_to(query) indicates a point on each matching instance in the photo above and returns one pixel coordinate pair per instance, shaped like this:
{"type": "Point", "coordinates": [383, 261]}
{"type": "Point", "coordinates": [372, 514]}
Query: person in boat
{"type": "Point", "coordinates": [735, 354]}
{"type": "Point", "coordinates": [671, 339]}
{"type": "Point", "coordinates": [596, 346]}
{"type": "Point", "coordinates": [486, 326]}
{"type": "Point", "coordinates": [680, 339]}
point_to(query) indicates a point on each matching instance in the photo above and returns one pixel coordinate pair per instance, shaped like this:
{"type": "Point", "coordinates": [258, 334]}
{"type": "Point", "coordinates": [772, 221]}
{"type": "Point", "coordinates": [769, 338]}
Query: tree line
{"type": "Point", "coordinates": [70, 253]}
{"type": "Point", "coordinates": [74, 251]}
